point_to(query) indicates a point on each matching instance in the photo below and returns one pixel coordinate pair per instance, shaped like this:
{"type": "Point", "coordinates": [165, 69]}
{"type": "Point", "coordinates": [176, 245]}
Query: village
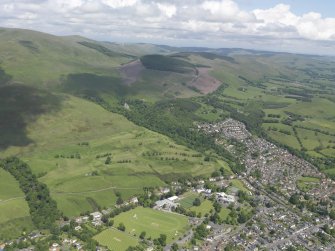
{"type": "Point", "coordinates": [272, 226]}
{"type": "Point", "coordinates": [260, 214]}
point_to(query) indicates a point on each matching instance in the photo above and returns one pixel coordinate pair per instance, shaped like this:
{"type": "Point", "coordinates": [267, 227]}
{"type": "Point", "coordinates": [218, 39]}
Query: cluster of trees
{"type": "Point", "coordinates": [201, 231]}
{"type": "Point", "coordinates": [71, 156]}
{"type": "Point", "coordinates": [108, 160]}
{"type": "Point", "coordinates": [319, 207]}
{"type": "Point", "coordinates": [161, 240]}
{"type": "Point", "coordinates": [119, 199]}
{"type": "Point", "coordinates": [43, 209]}
{"type": "Point", "coordinates": [103, 155]}
{"type": "Point", "coordinates": [4, 78]}
{"type": "Point", "coordinates": [166, 63]}
{"type": "Point", "coordinates": [85, 143]}
{"type": "Point", "coordinates": [85, 234]}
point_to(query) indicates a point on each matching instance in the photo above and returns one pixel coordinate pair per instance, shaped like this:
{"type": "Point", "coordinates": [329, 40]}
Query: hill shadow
{"type": "Point", "coordinates": [88, 84]}
{"type": "Point", "coordinates": [20, 105]}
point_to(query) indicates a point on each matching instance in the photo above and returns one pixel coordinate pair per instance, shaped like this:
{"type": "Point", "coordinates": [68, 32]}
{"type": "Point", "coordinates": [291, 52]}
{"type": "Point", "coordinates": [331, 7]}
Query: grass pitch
{"type": "Point", "coordinates": [116, 240]}
{"type": "Point", "coordinates": [205, 207]}
{"type": "Point", "coordinates": [153, 222]}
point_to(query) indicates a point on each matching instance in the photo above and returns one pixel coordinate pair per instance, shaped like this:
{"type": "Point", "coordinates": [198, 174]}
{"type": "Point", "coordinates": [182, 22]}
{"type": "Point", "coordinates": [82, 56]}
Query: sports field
{"type": "Point", "coordinates": [153, 222]}
{"type": "Point", "coordinates": [116, 240]}
{"type": "Point", "coordinates": [205, 207]}
{"type": "Point", "coordinates": [187, 199]}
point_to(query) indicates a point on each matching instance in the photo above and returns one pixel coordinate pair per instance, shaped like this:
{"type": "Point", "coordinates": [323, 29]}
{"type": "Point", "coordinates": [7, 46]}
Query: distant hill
{"type": "Point", "coordinates": [41, 59]}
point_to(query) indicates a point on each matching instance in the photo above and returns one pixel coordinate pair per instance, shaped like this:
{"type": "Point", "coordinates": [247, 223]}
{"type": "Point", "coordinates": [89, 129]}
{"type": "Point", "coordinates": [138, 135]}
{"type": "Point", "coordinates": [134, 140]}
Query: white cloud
{"type": "Point", "coordinates": [168, 10]}
{"type": "Point", "coordinates": [225, 10]}
{"type": "Point", "coordinates": [215, 22]}
{"type": "Point", "coordinates": [115, 4]}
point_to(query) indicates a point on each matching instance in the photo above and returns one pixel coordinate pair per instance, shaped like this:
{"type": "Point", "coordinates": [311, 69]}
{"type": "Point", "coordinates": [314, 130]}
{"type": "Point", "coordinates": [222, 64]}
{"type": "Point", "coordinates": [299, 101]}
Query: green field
{"type": "Point", "coordinates": [140, 156]}
{"type": "Point", "coordinates": [283, 138]}
{"type": "Point", "coordinates": [14, 216]}
{"type": "Point", "coordinates": [47, 120]}
{"type": "Point", "coordinates": [307, 183]}
{"type": "Point", "coordinates": [239, 185]}
{"type": "Point", "coordinates": [187, 199]}
{"type": "Point", "coordinates": [116, 240]}
{"type": "Point", "coordinates": [153, 222]}
{"type": "Point", "coordinates": [205, 207]}
{"type": "Point", "coordinates": [224, 213]}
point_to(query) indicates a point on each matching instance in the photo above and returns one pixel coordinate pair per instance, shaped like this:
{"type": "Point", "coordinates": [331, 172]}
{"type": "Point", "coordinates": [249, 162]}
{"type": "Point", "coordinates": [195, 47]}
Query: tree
{"type": "Point", "coordinates": [196, 202]}
{"type": "Point", "coordinates": [111, 223]}
{"type": "Point", "coordinates": [104, 218]}
{"type": "Point", "coordinates": [121, 227]}
{"type": "Point", "coordinates": [162, 240]}
{"type": "Point", "coordinates": [142, 235]}
{"type": "Point", "coordinates": [174, 247]}
{"type": "Point", "coordinates": [108, 160]}
{"type": "Point", "coordinates": [119, 201]}
{"type": "Point", "coordinates": [294, 199]}
{"type": "Point", "coordinates": [332, 214]}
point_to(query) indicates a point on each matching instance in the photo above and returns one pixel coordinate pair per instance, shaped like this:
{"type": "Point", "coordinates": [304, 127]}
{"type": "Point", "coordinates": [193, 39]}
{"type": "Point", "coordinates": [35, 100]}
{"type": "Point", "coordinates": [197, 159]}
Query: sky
{"type": "Point", "coordinates": [299, 26]}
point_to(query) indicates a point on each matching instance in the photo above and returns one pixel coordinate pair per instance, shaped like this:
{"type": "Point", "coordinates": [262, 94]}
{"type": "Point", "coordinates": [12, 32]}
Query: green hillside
{"type": "Point", "coordinates": [95, 119]}
{"type": "Point", "coordinates": [41, 60]}
{"type": "Point", "coordinates": [14, 216]}
{"type": "Point", "coordinates": [78, 178]}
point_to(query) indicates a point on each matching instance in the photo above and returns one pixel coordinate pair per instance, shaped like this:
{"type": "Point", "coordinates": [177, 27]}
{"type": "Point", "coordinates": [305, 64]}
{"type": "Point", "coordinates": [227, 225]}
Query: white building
{"type": "Point", "coordinates": [96, 215]}
{"type": "Point", "coordinates": [225, 197]}
{"type": "Point", "coordinates": [173, 198]}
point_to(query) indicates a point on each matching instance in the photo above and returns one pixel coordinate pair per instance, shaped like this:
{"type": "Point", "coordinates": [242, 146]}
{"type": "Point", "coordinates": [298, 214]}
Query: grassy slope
{"type": "Point", "coordinates": [14, 216]}
{"type": "Point", "coordinates": [283, 71]}
{"type": "Point", "coordinates": [40, 59]}
{"type": "Point", "coordinates": [70, 180]}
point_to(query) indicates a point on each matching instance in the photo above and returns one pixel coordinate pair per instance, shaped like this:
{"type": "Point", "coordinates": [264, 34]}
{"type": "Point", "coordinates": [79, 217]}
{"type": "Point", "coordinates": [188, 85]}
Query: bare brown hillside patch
{"type": "Point", "coordinates": [204, 82]}
{"type": "Point", "coordinates": [131, 72]}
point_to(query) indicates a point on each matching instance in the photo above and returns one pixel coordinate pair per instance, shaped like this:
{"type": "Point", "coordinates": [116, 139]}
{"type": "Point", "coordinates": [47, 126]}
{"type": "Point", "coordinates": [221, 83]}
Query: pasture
{"type": "Point", "coordinates": [76, 173]}
{"type": "Point", "coordinates": [14, 210]}
{"type": "Point", "coordinates": [153, 222]}
{"type": "Point", "coordinates": [116, 240]}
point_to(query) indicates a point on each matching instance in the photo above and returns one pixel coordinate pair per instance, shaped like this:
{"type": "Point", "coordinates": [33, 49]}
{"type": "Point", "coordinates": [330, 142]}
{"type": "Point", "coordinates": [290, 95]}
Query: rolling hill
{"type": "Point", "coordinates": [69, 103]}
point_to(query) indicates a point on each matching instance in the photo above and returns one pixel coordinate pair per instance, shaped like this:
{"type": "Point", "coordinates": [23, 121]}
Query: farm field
{"type": "Point", "coordinates": [14, 210]}
{"type": "Point", "coordinates": [116, 240]}
{"type": "Point", "coordinates": [72, 164]}
{"type": "Point", "coordinates": [153, 222]}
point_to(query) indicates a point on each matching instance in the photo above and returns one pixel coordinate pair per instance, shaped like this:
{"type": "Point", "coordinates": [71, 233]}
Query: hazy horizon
{"type": "Point", "coordinates": [283, 26]}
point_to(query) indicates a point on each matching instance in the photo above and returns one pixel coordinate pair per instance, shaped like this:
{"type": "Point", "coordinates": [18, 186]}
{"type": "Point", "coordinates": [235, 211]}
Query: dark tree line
{"type": "Point", "coordinates": [43, 209]}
